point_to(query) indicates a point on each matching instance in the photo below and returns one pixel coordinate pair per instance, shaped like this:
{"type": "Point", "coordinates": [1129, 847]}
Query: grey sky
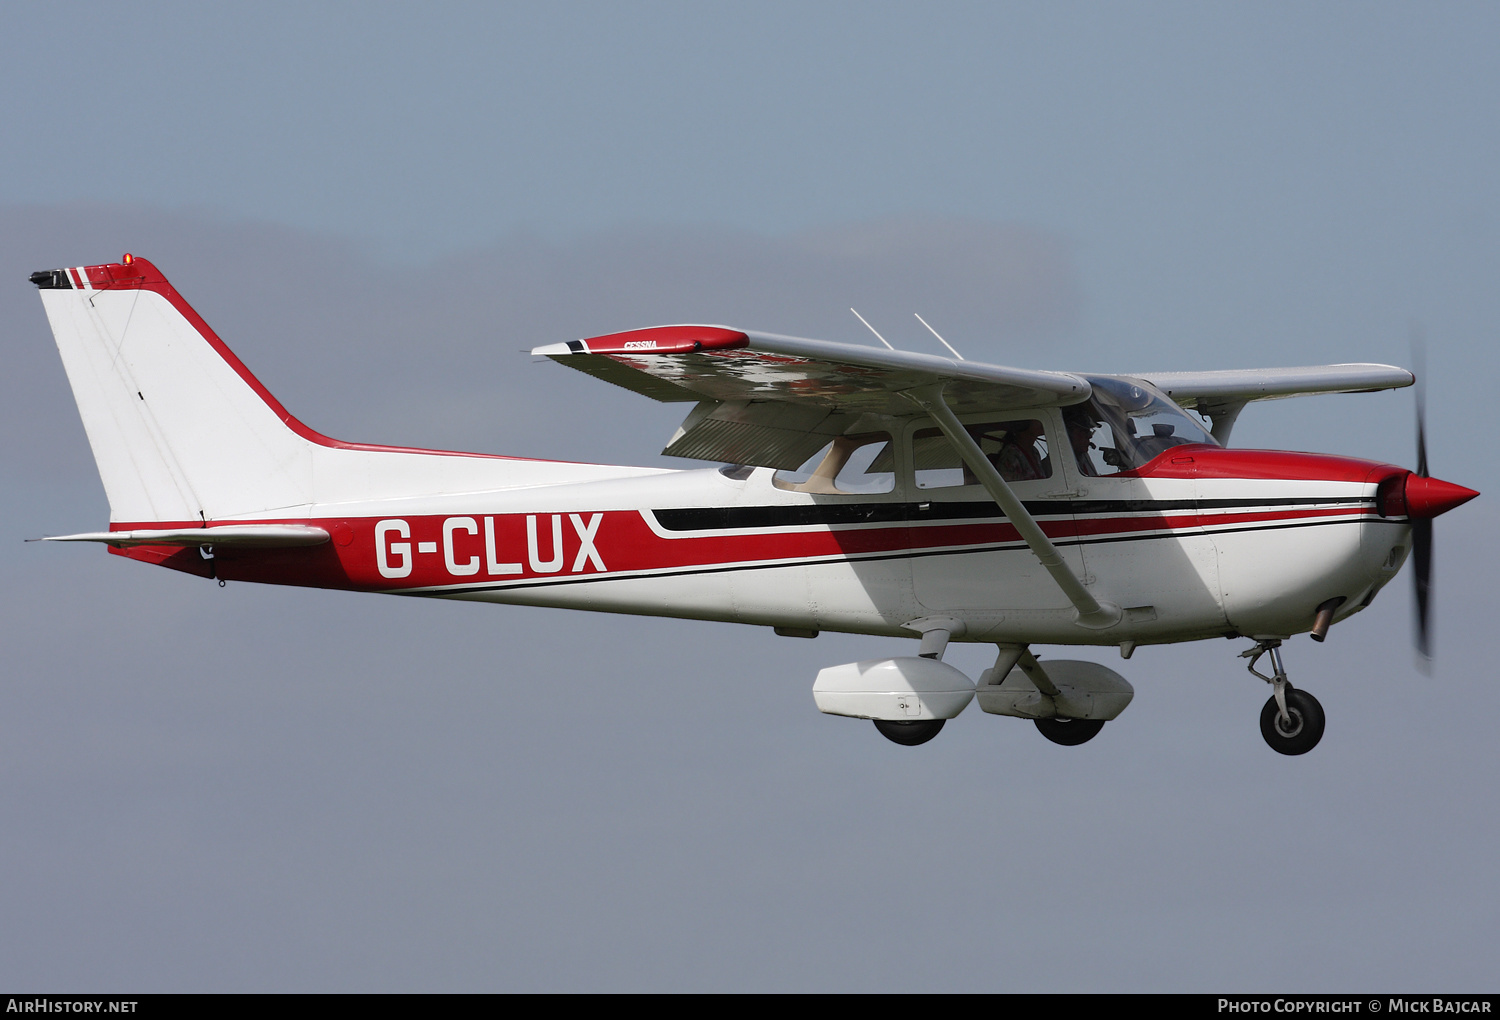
{"type": "Point", "coordinates": [380, 207]}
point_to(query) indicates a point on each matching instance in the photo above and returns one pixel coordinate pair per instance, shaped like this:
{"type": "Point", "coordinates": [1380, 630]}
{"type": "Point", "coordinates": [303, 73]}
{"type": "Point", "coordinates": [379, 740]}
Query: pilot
{"type": "Point", "coordinates": [1081, 424]}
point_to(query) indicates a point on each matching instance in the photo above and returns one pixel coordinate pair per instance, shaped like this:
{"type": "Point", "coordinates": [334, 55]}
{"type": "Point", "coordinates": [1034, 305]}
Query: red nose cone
{"type": "Point", "coordinates": [1428, 497]}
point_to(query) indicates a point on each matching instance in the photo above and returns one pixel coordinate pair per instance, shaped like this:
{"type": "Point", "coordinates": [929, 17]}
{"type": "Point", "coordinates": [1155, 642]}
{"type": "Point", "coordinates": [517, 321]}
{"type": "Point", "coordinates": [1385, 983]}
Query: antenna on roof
{"type": "Point", "coordinates": [872, 329]}
{"type": "Point", "coordinates": [935, 333]}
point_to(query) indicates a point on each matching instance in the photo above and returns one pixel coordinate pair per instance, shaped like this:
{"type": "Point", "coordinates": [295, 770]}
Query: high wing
{"type": "Point", "coordinates": [1239, 386]}
{"type": "Point", "coordinates": [1221, 395]}
{"type": "Point", "coordinates": [773, 400]}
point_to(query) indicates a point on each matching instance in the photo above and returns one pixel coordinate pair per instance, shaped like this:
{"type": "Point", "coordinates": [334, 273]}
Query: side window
{"type": "Point", "coordinates": [1125, 426]}
{"type": "Point", "coordinates": [861, 464]}
{"type": "Point", "coordinates": [1092, 437]}
{"type": "Point", "coordinates": [1017, 448]}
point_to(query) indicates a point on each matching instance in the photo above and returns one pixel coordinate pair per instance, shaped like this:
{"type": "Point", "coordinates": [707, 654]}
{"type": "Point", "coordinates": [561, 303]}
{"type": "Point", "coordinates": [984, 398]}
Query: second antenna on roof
{"type": "Point", "coordinates": [935, 333]}
{"type": "Point", "coordinates": [923, 321]}
{"type": "Point", "coordinates": [872, 329]}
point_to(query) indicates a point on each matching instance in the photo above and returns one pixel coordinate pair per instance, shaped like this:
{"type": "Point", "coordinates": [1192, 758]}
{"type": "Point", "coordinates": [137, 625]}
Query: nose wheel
{"type": "Point", "coordinates": [1292, 721]}
{"type": "Point", "coordinates": [1302, 728]}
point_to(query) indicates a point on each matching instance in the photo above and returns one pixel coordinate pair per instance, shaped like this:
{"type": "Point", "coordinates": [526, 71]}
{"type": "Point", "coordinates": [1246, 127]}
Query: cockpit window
{"type": "Point", "coordinates": [849, 464]}
{"type": "Point", "coordinates": [1126, 423]}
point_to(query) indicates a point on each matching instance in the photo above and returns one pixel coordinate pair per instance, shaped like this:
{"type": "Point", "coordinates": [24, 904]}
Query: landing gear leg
{"type": "Point", "coordinates": [1292, 720]}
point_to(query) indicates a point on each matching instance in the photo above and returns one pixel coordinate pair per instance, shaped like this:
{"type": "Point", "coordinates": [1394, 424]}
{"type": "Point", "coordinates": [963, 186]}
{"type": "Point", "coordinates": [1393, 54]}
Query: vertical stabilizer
{"type": "Point", "coordinates": [182, 432]}
{"type": "Point", "coordinates": [179, 428]}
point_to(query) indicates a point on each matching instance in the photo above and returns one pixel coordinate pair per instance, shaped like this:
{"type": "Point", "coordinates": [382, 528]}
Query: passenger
{"type": "Point", "coordinates": [1018, 459]}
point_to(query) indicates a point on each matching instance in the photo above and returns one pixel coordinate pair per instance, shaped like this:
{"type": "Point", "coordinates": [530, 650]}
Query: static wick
{"type": "Point", "coordinates": [945, 343]}
{"type": "Point", "coordinates": [872, 329]}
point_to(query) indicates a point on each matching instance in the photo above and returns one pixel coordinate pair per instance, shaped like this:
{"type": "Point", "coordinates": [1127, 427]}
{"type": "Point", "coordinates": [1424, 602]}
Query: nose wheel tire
{"type": "Point", "coordinates": [1306, 727]}
{"type": "Point", "coordinates": [1069, 732]}
{"type": "Point", "coordinates": [918, 731]}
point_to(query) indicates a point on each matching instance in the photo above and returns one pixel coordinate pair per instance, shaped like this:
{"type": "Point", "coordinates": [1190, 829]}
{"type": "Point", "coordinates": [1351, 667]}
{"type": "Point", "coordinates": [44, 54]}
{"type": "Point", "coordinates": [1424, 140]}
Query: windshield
{"type": "Point", "coordinates": [1126, 423]}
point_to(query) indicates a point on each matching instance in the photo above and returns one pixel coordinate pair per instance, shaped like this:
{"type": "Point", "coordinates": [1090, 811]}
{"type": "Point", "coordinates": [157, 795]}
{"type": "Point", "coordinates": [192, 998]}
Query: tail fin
{"type": "Point", "coordinates": [179, 427]}
{"type": "Point", "coordinates": [182, 432]}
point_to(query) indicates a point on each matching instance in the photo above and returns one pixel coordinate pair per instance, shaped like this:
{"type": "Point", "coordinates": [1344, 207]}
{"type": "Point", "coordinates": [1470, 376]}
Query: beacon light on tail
{"type": "Point", "coordinates": [869, 491]}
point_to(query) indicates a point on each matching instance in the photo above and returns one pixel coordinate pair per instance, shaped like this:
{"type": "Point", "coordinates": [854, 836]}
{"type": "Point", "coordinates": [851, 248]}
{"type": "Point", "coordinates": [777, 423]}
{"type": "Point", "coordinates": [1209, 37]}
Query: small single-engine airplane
{"type": "Point", "coordinates": [870, 491]}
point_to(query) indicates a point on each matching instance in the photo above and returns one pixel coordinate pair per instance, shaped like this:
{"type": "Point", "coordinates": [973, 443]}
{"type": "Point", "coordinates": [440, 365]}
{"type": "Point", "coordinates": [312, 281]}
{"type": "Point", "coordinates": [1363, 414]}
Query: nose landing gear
{"type": "Point", "coordinates": [1292, 720]}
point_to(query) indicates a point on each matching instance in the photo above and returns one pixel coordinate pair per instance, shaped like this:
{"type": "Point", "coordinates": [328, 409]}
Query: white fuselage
{"type": "Point", "coordinates": [1186, 553]}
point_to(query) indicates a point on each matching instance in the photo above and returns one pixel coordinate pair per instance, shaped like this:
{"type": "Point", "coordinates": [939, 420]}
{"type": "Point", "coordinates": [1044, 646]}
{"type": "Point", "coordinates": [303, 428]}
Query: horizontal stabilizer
{"type": "Point", "coordinates": [245, 536]}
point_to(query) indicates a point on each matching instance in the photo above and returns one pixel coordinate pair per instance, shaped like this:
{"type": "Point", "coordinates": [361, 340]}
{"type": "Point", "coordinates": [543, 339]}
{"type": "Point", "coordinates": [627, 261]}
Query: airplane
{"type": "Point", "coordinates": [863, 490]}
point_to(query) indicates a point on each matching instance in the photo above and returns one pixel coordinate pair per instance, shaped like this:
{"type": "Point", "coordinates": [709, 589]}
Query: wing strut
{"type": "Point", "coordinates": [1092, 613]}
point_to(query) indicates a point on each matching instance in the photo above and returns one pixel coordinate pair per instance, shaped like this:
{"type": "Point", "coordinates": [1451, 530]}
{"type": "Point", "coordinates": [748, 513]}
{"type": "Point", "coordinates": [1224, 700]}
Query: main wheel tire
{"type": "Point", "coordinates": [918, 731]}
{"type": "Point", "coordinates": [1069, 732]}
{"type": "Point", "coordinates": [1306, 728]}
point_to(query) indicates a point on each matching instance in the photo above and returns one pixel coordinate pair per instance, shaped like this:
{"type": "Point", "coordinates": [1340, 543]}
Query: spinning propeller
{"type": "Point", "coordinates": [1426, 497]}
{"type": "Point", "coordinates": [1421, 538]}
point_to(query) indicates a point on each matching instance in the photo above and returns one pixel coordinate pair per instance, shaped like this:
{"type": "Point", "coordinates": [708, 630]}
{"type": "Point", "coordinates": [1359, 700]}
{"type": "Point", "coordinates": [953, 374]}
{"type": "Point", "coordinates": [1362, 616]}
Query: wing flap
{"type": "Point", "coordinates": [764, 433]}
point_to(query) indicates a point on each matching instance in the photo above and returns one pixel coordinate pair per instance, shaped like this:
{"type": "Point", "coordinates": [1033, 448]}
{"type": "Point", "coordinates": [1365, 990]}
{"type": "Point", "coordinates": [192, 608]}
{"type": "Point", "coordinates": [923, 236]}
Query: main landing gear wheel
{"type": "Point", "coordinates": [1306, 727]}
{"type": "Point", "coordinates": [1069, 732]}
{"type": "Point", "coordinates": [918, 731]}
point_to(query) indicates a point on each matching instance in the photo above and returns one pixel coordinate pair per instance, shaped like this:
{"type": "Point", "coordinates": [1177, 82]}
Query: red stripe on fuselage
{"type": "Point", "coordinates": [419, 552]}
{"type": "Point", "coordinates": [1204, 461]}
{"type": "Point", "coordinates": [1191, 521]}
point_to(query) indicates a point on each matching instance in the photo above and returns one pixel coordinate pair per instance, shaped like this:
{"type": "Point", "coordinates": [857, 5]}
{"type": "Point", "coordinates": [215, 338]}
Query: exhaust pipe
{"type": "Point", "coordinates": [1324, 618]}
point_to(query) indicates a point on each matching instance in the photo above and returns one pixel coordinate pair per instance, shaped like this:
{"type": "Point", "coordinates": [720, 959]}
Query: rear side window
{"type": "Point", "coordinates": [1017, 448]}
{"type": "Point", "coordinates": [860, 464]}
